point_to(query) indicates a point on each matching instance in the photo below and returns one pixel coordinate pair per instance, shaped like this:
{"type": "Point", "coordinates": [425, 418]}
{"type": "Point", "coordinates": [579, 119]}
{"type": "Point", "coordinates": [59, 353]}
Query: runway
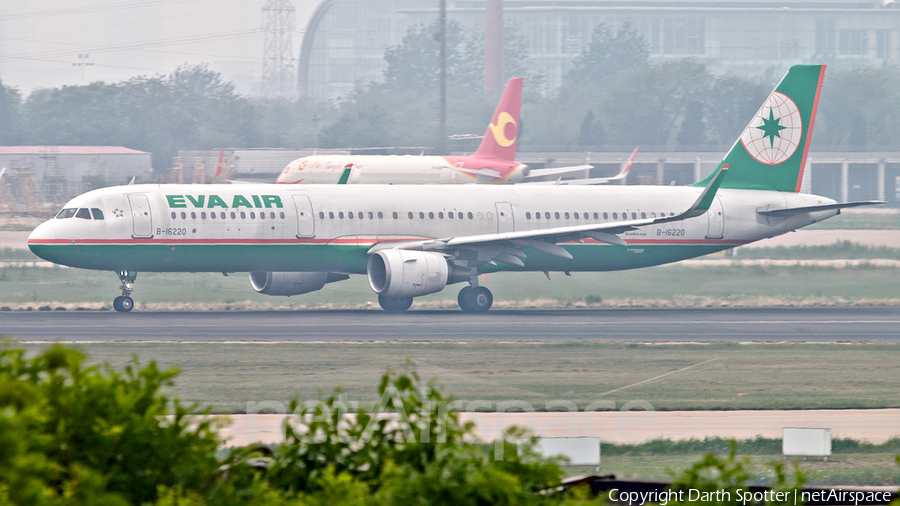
{"type": "Point", "coordinates": [814, 324]}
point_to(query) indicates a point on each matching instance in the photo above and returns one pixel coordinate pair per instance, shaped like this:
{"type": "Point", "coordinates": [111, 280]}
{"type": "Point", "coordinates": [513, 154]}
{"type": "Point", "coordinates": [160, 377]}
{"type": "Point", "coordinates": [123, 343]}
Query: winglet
{"type": "Point", "coordinates": [709, 193]}
{"type": "Point", "coordinates": [627, 167]}
{"type": "Point", "coordinates": [345, 176]}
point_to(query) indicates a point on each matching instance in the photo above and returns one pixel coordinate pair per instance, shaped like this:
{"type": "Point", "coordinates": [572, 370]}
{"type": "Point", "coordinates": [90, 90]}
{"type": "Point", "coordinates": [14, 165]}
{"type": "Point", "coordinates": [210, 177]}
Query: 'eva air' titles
{"type": "Point", "coordinates": [212, 201]}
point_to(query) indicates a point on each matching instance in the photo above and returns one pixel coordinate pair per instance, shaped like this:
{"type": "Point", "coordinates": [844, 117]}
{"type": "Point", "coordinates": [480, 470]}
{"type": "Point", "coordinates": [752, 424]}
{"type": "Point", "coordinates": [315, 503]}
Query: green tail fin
{"type": "Point", "coordinates": [771, 152]}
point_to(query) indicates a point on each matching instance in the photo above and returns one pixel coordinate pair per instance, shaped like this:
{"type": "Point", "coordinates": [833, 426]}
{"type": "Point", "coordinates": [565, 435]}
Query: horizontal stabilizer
{"type": "Point", "coordinates": [812, 209]}
{"type": "Point", "coordinates": [491, 173]}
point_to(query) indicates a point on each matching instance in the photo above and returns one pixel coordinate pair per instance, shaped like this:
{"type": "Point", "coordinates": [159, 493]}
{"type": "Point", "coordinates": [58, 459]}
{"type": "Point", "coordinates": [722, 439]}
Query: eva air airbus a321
{"type": "Point", "coordinates": [416, 240]}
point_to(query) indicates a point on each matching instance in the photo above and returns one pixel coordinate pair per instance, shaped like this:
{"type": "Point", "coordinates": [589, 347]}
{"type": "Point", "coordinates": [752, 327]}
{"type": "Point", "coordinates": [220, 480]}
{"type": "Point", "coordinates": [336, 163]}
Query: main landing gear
{"type": "Point", "coordinates": [124, 303]}
{"type": "Point", "coordinates": [475, 299]}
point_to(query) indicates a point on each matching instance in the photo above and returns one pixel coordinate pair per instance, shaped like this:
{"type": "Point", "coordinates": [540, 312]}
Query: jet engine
{"type": "Point", "coordinates": [403, 273]}
{"type": "Point", "coordinates": [292, 283]}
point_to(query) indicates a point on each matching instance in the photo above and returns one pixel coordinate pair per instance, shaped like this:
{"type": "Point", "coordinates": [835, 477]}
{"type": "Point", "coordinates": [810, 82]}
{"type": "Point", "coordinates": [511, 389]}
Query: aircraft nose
{"type": "Point", "coordinates": [45, 233]}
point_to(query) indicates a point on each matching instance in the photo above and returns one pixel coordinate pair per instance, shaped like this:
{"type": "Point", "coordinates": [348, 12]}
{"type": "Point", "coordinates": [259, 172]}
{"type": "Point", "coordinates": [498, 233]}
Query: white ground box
{"type": "Point", "coordinates": [581, 451]}
{"type": "Point", "coordinates": [806, 442]}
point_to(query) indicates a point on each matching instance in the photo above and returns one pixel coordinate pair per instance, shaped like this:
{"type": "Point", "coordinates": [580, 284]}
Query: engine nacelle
{"type": "Point", "coordinates": [403, 273]}
{"type": "Point", "coordinates": [291, 283]}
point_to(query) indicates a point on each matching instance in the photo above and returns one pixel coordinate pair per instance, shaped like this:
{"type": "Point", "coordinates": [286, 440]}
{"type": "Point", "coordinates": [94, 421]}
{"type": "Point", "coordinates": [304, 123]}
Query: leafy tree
{"type": "Point", "coordinates": [607, 55]}
{"type": "Point", "coordinates": [645, 105]}
{"type": "Point", "coordinates": [859, 109]}
{"type": "Point", "coordinates": [9, 112]}
{"type": "Point", "coordinates": [591, 133]}
{"type": "Point", "coordinates": [732, 101]}
{"type": "Point", "coordinates": [691, 132]}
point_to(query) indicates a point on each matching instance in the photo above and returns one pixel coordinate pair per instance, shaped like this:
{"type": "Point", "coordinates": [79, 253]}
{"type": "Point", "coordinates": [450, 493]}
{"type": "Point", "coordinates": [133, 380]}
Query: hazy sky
{"type": "Point", "coordinates": [50, 43]}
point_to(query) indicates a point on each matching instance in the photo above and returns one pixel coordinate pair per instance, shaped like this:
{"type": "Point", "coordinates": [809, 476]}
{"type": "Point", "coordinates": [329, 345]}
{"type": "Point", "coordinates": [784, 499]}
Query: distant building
{"type": "Point", "coordinates": [346, 39]}
{"type": "Point", "coordinates": [57, 173]}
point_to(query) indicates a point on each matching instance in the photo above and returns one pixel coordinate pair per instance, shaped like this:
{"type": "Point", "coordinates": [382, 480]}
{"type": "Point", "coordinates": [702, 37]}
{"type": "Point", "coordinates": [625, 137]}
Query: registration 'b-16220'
{"type": "Point", "coordinates": [415, 240]}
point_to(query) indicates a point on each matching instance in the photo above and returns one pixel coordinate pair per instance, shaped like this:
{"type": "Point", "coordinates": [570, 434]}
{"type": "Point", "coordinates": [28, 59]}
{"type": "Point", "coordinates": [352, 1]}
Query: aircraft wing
{"type": "Point", "coordinates": [505, 247]}
{"type": "Point", "coordinates": [534, 173]}
{"type": "Point", "coordinates": [790, 211]}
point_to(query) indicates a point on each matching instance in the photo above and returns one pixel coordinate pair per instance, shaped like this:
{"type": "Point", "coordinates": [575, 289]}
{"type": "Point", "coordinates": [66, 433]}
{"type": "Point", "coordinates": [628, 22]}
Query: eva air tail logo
{"type": "Point", "coordinates": [774, 133]}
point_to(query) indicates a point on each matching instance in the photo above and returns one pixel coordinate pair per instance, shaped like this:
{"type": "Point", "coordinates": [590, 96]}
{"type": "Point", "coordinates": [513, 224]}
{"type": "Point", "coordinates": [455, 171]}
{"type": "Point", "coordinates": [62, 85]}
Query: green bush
{"type": "Point", "coordinates": [72, 433]}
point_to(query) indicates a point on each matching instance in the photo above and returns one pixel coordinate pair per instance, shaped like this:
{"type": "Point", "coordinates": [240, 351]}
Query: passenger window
{"type": "Point", "coordinates": [203, 215]}
{"type": "Point", "coordinates": [252, 215]}
{"type": "Point", "coordinates": [395, 215]}
{"type": "Point", "coordinates": [537, 216]}
{"type": "Point", "coordinates": [360, 215]}
{"type": "Point", "coordinates": [566, 216]}
{"type": "Point", "coordinates": [212, 215]}
{"type": "Point", "coordinates": [183, 215]}
{"type": "Point", "coordinates": [262, 215]}
{"type": "Point", "coordinates": [547, 215]}
{"type": "Point", "coordinates": [605, 216]}
{"type": "Point", "coordinates": [643, 215]}
{"type": "Point", "coordinates": [380, 215]}
{"type": "Point", "coordinates": [66, 213]}
{"type": "Point", "coordinates": [441, 214]}
{"type": "Point", "coordinates": [430, 216]}
{"type": "Point", "coordinates": [98, 214]}
{"type": "Point", "coordinates": [371, 215]}
{"type": "Point", "coordinates": [653, 215]}
{"type": "Point", "coordinates": [222, 215]}
{"type": "Point", "coordinates": [633, 216]}
{"type": "Point", "coordinates": [556, 215]}
{"type": "Point", "coordinates": [421, 215]}
{"type": "Point", "coordinates": [272, 215]}
{"type": "Point", "coordinates": [341, 215]}
{"type": "Point", "coordinates": [331, 214]}
{"type": "Point", "coordinates": [615, 216]}
{"type": "Point", "coordinates": [576, 216]}
{"type": "Point", "coordinates": [243, 215]}
{"type": "Point", "coordinates": [350, 215]}
{"type": "Point", "coordinates": [527, 216]}
{"type": "Point", "coordinates": [596, 216]}
{"type": "Point", "coordinates": [281, 215]}
{"type": "Point", "coordinates": [79, 212]}
{"type": "Point", "coordinates": [410, 214]}
{"type": "Point", "coordinates": [193, 215]}
{"type": "Point", "coordinates": [233, 215]}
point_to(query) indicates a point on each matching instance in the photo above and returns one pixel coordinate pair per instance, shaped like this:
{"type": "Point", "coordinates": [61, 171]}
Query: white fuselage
{"type": "Point", "coordinates": [331, 228]}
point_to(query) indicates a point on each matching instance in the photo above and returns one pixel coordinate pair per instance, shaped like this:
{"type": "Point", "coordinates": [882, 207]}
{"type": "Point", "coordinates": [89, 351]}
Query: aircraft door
{"type": "Point", "coordinates": [306, 225]}
{"type": "Point", "coordinates": [505, 221]}
{"type": "Point", "coordinates": [140, 215]}
{"type": "Point", "coordinates": [716, 217]}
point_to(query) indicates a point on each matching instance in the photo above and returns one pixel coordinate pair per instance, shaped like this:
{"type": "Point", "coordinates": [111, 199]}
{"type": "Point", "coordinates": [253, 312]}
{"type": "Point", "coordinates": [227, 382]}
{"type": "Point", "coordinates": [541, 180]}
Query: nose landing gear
{"type": "Point", "coordinates": [124, 303]}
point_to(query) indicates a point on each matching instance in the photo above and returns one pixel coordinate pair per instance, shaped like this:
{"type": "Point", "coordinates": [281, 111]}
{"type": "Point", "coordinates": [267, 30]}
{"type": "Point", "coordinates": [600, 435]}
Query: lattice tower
{"type": "Point", "coordinates": [279, 72]}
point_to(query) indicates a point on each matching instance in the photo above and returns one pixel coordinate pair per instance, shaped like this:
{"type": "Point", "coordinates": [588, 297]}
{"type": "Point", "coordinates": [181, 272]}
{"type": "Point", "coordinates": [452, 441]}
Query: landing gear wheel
{"type": "Point", "coordinates": [123, 304]}
{"type": "Point", "coordinates": [465, 299]}
{"type": "Point", "coordinates": [395, 304]}
{"type": "Point", "coordinates": [126, 304]}
{"type": "Point", "coordinates": [475, 299]}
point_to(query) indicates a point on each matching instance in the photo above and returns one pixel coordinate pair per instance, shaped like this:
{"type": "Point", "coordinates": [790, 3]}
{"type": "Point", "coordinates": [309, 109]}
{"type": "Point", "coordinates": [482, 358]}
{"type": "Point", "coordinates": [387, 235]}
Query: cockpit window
{"type": "Point", "coordinates": [98, 214]}
{"type": "Point", "coordinates": [66, 213]}
{"type": "Point", "coordinates": [83, 213]}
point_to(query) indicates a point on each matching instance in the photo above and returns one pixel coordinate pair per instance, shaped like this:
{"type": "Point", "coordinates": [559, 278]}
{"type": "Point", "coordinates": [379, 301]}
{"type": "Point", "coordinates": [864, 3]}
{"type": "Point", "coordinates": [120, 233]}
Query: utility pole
{"type": "Point", "coordinates": [442, 142]}
{"type": "Point", "coordinates": [279, 70]}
